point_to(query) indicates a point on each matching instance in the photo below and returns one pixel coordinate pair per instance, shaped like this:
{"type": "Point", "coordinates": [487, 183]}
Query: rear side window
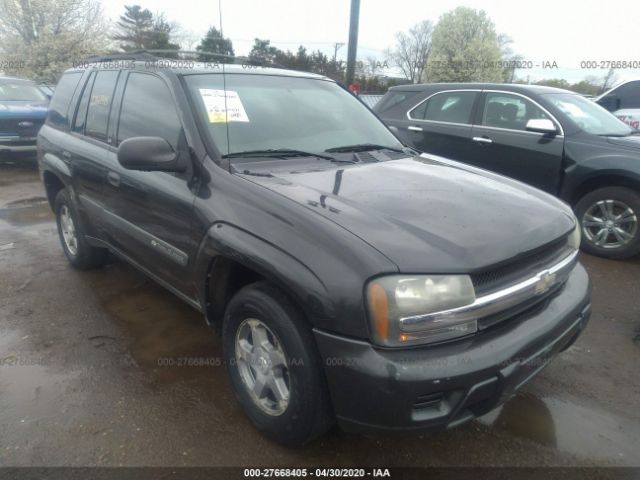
{"type": "Point", "coordinates": [81, 115]}
{"type": "Point", "coordinates": [389, 101]}
{"type": "Point", "coordinates": [450, 107]}
{"type": "Point", "coordinates": [148, 111]}
{"type": "Point", "coordinates": [629, 95]}
{"type": "Point", "coordinates": [100, 105]}
{"type": "Point", "coordinates": [59, 106]}
{"type": "Point", "coordinates": [503, 110]}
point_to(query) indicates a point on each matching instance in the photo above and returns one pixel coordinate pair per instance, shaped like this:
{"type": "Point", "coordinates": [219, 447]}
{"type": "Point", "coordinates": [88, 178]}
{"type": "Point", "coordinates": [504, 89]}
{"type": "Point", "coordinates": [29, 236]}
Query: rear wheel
{"type": "Point", "coordinates": [79, 253]}
{"type": "Point", "coordinates": [610, 222]}
{"type": "Point", "coordinates": [274, 366]}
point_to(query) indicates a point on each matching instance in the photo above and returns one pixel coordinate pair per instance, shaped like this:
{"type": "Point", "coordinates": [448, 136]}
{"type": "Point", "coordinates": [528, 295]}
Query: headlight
{"type": "Point", "coordinates": [404, 310]}
{"type": "Point", "coordinates": [575, 237]}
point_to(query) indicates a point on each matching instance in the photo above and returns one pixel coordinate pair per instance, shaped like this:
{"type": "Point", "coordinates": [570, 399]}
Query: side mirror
{"type": "Point", "coordinates": [149, 154]}
{"type": "Point", "coordinates": [541, 125]}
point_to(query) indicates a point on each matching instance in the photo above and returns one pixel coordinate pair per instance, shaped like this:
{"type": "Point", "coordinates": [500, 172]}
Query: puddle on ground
{"type": "Point", "coordinates": [29, 211]}
{"type": "Point", "coordinates": [167, 335]}
{"type": "Point", "coordinates": [29, 392]}
{"type": "Point", "coordinates": [567, 427]}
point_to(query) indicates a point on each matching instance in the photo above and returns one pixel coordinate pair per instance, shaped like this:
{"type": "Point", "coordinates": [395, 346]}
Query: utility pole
{"type": "Point", "coordinates": [353, 41]}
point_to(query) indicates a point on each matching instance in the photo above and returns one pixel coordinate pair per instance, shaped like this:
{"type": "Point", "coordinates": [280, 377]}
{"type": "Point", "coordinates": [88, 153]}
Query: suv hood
{"type": "Point", "coordinates": [426, 215]}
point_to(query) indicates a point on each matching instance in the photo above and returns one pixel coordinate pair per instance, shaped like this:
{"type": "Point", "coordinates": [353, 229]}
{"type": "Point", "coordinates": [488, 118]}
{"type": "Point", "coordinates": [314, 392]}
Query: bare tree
{"type": "Point", "coordinates": [609, 80]}
{"type": "Point", "coordinates": [41, 38]}
{"type": "Point", "coordinates": [412, 51]}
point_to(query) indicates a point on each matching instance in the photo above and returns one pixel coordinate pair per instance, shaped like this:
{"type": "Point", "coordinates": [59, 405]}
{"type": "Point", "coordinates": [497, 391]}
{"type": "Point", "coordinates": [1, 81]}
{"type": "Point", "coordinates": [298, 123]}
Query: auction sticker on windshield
{"type": "Point", "coordinates": [221, 108]}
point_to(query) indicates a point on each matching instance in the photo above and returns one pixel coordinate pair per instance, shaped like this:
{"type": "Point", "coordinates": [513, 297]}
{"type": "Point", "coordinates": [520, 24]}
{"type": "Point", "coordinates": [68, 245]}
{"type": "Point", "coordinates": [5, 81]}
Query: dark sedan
{"type": "Point", "coordinates": [550, 138]}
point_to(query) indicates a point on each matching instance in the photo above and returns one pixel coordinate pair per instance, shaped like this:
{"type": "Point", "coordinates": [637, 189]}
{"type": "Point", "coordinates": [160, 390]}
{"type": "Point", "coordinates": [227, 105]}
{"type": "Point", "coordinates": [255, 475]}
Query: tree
{"type": "Point", "coordinates": [139, 29]}
{"type": "Point", "coordinates": [40, 39]}
{"type": "Point", "coordinates": [134, 27]}
{"type": "Point", "coordinates": [591, 85]}
{"type": "Point", "coordinates": [214, 42]}
{"type": "Point", "coordinates": [263, 53]}
{"type": "Point", "coordinates": [465, 48]}
{"type": "Point", "coordinates": [412, 50]}
{"type": "Point", "coordinates": [509, 58]}
{"type": "Point", "coordinates": [609, 80]}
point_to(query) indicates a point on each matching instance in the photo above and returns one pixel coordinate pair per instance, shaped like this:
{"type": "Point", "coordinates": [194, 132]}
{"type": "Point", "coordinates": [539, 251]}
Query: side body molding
{"type": "Point", "coordinates": [54, 164]}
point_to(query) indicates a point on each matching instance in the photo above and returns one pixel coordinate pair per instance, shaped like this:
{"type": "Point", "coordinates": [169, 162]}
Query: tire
{"type": "Point", "coordinates": [79, 253]}
{"type": "Point", "coordinates": [307, 413]}
{"type": "Point", "coordinates": [610, 221]}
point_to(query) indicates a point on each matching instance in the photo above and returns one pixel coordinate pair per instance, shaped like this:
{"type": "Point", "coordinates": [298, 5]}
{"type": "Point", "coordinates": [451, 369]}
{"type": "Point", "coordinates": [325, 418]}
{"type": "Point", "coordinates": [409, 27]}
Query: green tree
{"type": "Point", "coordinates": [465, 48]}
{"type": "Point", "coordinates": [138, 29]}
{"type": "Point", "coordinates": [134, 27]}
{"type": "Point", "coordinates": [214, 42]}
{"type": "Point", "coordinates": [263, 52]}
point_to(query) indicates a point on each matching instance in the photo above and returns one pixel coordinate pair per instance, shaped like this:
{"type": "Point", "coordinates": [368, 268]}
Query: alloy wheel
{"type": "Point", "coordinates": [609, 224]}
{"type": "Point", "coordinates": [68, 230]}
{"type": "Point", "coordinates": [263, 366]}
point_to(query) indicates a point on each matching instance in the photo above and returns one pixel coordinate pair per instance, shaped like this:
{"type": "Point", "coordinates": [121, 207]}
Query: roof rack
{"type": "Point", "coordinates": [148, 55]}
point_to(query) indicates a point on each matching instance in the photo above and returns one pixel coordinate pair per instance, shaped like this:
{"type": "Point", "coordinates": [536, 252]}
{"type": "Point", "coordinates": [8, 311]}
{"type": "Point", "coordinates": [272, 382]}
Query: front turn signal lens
{"type": "Point", "coordinates": [379, 310]}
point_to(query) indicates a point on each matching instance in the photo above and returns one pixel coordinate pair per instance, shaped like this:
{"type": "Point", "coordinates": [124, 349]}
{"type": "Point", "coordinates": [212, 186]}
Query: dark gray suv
{"type": "Point", "coordinates": [353, 279]}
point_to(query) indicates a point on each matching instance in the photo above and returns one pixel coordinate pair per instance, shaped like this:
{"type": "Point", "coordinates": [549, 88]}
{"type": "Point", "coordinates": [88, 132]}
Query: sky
{"type": "Point", "coordinates": [542, 31]}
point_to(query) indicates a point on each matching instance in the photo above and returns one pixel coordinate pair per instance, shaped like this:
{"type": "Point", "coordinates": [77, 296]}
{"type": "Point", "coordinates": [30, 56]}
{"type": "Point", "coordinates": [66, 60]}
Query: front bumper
{"type": "Point", "coordinates": [442, 386]}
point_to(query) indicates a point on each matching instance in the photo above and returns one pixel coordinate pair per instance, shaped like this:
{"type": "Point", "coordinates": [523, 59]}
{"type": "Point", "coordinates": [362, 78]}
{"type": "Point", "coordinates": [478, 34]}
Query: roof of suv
{"type": "Point", "coordinates": [513, 87]}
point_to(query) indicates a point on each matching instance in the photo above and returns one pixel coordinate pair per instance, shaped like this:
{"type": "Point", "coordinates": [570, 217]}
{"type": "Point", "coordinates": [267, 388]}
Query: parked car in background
{"type": "Point", "coordinates": [353, 279]}
{"type": "Point", "coordinates": [553, 139]}
{"type": "Point", "coordinates": [23, 109]}
{"type": "Point", "coordinates": [623, 101]}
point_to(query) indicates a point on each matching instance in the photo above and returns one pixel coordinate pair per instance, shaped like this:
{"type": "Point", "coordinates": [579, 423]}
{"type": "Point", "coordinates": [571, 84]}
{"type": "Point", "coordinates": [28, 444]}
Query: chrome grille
{"type": "Point", "coordinates": [499, 276]}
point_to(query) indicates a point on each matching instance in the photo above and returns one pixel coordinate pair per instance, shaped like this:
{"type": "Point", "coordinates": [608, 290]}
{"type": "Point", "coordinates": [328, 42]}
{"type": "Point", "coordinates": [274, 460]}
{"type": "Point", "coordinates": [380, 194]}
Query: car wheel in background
{"type": "Point", "coordinates": [80, 254]}
{"type": "Point", "coordinates": [610, 220]}
{"type": "Point", "coordinates": [274, 366]}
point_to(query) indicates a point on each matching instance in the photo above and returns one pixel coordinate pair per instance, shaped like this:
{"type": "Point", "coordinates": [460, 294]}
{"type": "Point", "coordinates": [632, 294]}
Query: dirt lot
{"type": "Point", "coordinates": [84, 381]}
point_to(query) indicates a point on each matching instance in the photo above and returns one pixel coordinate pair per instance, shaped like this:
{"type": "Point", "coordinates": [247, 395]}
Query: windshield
{"type": "Point", "coordinates": [589, 116]}
{"type": "Point", "coordinates": [21, 92]}
{"type": "Point", "coordinates": [280, 112]}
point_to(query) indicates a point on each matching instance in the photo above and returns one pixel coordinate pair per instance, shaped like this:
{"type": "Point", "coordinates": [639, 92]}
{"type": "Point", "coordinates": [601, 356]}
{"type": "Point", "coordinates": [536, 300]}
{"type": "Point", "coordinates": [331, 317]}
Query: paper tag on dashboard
{"type": "Point", "coordinates": [221, 111]}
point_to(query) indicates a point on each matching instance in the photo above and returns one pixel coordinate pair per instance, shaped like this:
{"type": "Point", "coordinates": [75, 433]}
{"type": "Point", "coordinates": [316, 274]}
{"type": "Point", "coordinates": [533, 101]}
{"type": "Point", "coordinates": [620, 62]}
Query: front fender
{"type": "Point", "coordinates": [269, 261]}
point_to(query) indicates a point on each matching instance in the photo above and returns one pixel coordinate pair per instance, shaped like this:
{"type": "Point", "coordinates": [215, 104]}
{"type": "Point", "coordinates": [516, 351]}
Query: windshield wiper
{"type": "Point", "coordinates": [362, 147]}
{"type": "Point", "coordinates": [277, 152]}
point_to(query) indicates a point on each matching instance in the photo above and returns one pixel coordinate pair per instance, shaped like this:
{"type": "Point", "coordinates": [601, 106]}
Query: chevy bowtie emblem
{"type": "Point", "coordinates": [546, 281]}
{"type": "Point", "coordinates": [25, 124]}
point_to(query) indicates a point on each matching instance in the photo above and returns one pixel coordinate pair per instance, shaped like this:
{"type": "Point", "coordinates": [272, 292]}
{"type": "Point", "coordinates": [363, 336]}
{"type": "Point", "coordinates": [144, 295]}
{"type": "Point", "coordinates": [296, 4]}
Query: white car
{"type": "Point", "coordinates": [623, 101]}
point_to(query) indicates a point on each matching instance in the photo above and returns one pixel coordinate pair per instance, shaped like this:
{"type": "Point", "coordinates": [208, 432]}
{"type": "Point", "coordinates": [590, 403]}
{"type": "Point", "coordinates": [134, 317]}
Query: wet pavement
{"type": "Point", "coordinates": [96, 368]}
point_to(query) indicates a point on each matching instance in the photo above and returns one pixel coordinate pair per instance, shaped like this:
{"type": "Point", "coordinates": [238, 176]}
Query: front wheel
{"type": "Point", "coordinates": [609, 220]}
{"type": "Point", "coordinates": [274, 366]}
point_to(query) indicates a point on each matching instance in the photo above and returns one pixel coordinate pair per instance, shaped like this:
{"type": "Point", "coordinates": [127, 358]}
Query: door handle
{"type": "Point", "coordinates": [486, 140]}
{"type": "Point", "coordinates": [414, 129]}
{"type": "Point", "coordinates": [114, 179]}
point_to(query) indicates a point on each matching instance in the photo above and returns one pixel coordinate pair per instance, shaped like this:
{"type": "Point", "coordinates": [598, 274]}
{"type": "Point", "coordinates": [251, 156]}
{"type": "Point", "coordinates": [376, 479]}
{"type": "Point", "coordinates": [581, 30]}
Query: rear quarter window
{"type": "Point", "coordinates": [59, 106]}
{"type": "Point", "coordinates": [391, 100]}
